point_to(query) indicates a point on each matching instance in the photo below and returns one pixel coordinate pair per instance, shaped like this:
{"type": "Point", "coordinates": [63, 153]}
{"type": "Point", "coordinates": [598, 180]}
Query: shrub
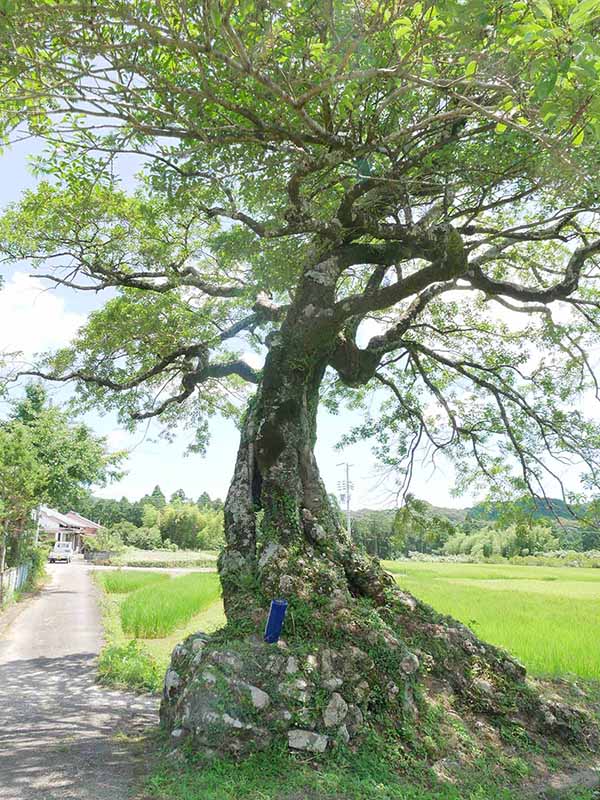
{"type": "Point", "coordinates": [169, 545]}
{"type": "Point", "coordinates": [156, 610]}
{"type": "Point", "coordinates": [491, 541]}
{"type": "Point", "coordinates": [105, 539]}
{"type": "Point", "coordinates": [124, 581]}
{"type": "Point", "coordinates": [38, 557]}
{"type": "Point", "coordinates": [145, 539]}
{"type": "Point", "coordinates": [129, 665]}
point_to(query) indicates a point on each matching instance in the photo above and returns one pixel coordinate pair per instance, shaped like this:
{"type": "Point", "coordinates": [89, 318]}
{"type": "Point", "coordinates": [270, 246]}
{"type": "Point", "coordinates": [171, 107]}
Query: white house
{"type": "Point", "coordinates": [71, 527]}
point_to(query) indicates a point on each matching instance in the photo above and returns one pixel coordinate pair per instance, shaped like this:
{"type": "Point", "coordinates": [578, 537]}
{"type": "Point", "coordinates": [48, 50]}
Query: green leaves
{"type": "Point", "coordinates": [277, 131]}
{"type": "Point", "coordinates": [471, 69]}
{"type": "Point", "coordinates": [69, 458]}
{"type": "Point", "coordinates": [545, 8]}
{"type": "Point", "coordinates": [546, 83]}
{"type": "Point", "coordinates": [584, 12]}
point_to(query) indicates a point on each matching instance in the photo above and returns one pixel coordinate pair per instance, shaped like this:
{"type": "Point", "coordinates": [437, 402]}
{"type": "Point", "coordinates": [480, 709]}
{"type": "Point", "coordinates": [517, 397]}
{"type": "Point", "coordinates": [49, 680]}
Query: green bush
{"type": "Point", "coordinates": [144, 538]}
{"type": "Point", "coordinates": [105, 539]}
{"type": "Point", "coordinates": [129, 665]}
{"type": "Point", "coordinates": [156, 610]}
{"type": "Point", "coordinates": [123, 582]}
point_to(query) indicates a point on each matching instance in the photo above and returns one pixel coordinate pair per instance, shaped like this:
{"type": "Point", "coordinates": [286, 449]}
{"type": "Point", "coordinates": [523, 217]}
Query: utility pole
{"type": "Point", "coordinates": [345, 488]}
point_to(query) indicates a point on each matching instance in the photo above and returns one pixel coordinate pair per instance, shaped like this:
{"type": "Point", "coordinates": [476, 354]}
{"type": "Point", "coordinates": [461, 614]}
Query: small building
{"type": "Point", "coordinates": [71, 527]}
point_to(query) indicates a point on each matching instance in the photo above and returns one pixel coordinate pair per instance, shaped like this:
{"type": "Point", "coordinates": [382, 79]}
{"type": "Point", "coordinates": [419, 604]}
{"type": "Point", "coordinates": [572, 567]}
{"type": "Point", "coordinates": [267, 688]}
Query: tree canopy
{"type": "Point", "coordinates": [45, 457]}
{"type": "Point", "coordinates": [432, 166]}
{"type": "Point", "coordinates": [72, 457]}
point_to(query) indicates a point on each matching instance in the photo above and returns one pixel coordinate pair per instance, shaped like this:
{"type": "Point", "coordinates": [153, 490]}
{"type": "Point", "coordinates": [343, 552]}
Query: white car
{"type": "Point", "coordinates": [62, 551]}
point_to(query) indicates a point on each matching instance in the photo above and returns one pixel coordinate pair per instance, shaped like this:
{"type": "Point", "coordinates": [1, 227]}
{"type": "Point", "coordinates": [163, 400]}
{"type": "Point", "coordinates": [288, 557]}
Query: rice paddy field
{"type": "Point", "coordinates": [132, 557]}
{"type": "Point", "coordinates": [548, 617]}
{"type": "Point", "coordinates": [120, 582]}
{"type": "Point", "coordinates": [160, 607]}
{"type": "Point", "coordinates": [146, 613]}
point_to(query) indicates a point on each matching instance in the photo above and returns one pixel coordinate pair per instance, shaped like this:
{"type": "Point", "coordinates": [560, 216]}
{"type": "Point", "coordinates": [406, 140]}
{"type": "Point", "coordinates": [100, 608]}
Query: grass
{"type": "Point", "coordinates": [123, 582]}
{"type": "Point", "coordinates": [129, 665]}
{"type": "Point", "coordinates": [210, 619]}
{"type": "Point", "coordinates": [546, 616]}
{"type": "Point", "coordinates": [140, 663]}
{"type": "Point", "coordinates": [505, 604]}
{"type": "Point", "coordinates": [381, 769]}
{"type": "Point", "coordinates": [158, 609]}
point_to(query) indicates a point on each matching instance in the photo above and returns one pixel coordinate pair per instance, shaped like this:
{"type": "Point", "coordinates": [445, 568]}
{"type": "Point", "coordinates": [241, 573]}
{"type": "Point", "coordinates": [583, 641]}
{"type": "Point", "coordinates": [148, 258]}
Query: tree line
{"type": "Point", "coordinates": [496, 530]}
{"type": "Point", "coordinates": [153, 522]}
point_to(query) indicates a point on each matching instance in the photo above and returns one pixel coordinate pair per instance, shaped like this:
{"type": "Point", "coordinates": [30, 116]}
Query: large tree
{"type": "Point", "coordinates": [427, 168]}
{"type": "Point", "coordinates": [72, 456]}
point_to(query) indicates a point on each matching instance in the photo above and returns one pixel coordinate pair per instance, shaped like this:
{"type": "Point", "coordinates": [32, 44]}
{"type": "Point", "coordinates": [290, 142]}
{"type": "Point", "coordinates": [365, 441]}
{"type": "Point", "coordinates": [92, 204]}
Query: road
{"type": "Point", "coordinates": [62, 737]}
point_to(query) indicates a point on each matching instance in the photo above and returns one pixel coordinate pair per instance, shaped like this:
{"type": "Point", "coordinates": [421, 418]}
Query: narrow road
{"type": "Point", "coordinates": [62, 737]}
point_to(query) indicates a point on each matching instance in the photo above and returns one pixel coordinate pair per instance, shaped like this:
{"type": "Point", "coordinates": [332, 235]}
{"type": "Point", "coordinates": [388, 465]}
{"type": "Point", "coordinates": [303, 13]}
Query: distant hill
{"type": "Point", "coordinates": [455, 515]}
{"type": "Point", "coordinates": [533, 506]}
{"type": "Point", "coordinates": [490, 512]}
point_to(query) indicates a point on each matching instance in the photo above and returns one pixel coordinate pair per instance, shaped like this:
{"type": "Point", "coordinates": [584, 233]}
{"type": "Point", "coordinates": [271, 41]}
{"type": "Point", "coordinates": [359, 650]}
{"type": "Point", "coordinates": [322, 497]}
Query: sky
{"type": "Point", "coordinates": [35, 317]}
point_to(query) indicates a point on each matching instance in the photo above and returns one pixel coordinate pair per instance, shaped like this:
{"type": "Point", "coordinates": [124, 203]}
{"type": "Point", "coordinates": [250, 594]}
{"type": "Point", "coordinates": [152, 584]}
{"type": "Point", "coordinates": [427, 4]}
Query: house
{"type": "Point", "coordinates": [71, 527]}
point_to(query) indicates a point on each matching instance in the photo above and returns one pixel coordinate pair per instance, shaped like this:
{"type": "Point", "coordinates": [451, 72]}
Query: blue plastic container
{"type": "Point", "coordinates": [275, 620]}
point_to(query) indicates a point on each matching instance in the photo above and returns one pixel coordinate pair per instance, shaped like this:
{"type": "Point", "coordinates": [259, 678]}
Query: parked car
{"type": "Point", "coordinates": [62, 551]}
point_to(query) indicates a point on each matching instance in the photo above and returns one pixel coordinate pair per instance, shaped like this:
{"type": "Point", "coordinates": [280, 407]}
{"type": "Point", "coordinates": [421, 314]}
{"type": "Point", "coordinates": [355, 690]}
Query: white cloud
{"type": "Point", "coordinates": [33, 317]}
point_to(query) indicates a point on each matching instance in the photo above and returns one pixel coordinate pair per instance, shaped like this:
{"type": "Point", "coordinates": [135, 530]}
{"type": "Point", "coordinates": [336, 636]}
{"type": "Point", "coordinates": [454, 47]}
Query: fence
{"type": "Point", "coordinates": [14, 578]}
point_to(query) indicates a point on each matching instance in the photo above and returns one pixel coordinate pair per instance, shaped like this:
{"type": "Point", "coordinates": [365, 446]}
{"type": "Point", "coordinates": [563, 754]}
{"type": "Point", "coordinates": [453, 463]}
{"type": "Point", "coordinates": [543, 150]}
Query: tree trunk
{"type": "Point", "coordinates": [356, 646]}
{"type": "Point", "coordinates": [285, 540]}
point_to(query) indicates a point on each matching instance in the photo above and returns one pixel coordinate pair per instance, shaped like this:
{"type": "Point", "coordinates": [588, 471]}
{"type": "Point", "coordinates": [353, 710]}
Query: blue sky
{"type": "Point", "coordinates": [35, 317]}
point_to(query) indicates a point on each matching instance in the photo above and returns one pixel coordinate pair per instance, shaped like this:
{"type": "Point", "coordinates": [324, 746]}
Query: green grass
{"type": "Point", "coordinates": [546, 616]}
{"type": "Point", "coordinates": [122, 582]}
{"type": "Point", "coordinates": [531, 610]}
{"type": "Point", "coordinates": [378, 770]}
{"type": "Point", "coordinates": [208, 620]}
{"type": "Point", "coordinates": [156, 610]}
{"type": "Point", "coordinates": [131, 666]}
{"type": "Point", "coordinates": [141, 663]}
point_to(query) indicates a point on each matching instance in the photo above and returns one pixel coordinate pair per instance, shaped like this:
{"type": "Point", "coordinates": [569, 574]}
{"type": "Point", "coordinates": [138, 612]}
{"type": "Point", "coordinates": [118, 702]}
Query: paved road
{"type": "Point", "coordinates": [61, 736]}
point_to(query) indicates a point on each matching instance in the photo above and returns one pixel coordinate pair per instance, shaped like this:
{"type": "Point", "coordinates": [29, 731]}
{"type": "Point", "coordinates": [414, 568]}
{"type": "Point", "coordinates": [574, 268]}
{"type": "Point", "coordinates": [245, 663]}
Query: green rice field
{"type": "Point", "coordinates": [119, 581]}
{"type": "Point", "coordinates": [548, 617]}
{"type": "Point", "coordinates": [158, 608]}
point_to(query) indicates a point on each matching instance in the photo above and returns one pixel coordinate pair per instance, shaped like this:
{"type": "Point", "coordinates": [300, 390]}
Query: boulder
{"type": "Point", "coordinates": [335, 711]}
{"type": "Point", "coordinates": [299, 739]}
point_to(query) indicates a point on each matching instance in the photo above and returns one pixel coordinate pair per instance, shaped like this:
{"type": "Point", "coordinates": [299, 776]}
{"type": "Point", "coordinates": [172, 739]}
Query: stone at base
{"type": "Point", "coordinates": [308, 740]}
{"type": "Point", "coordinates": [235, 697]}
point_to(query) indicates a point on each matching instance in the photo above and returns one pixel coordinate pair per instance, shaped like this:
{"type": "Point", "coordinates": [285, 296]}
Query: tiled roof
{"type": "Point", "coordinates": [62, 519]}
{"type": "Point", "coordinates": [84, 522]}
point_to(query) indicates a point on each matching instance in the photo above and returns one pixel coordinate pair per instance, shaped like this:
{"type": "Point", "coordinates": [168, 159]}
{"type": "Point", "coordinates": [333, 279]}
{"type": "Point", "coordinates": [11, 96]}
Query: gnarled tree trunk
{"type": "Point", "coordinates": [356, 646]}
